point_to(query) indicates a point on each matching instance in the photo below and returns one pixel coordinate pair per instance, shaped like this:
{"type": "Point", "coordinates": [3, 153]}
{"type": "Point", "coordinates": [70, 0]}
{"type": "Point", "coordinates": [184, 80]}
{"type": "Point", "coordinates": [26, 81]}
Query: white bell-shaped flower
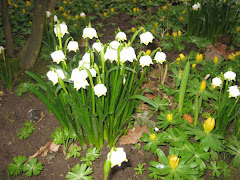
{"type": "Point", "coordinates": [121, 36]}
{"type": "Point", "coordinates": [89, 32]}
{"type": "Point", "coordinates": [60, 73]}
{"type": "Point", "coordinates": [234, 91]}
{"type": "Point", "coordinates": [72, 46]}
{"type": "Point", "coordinates": [63, 29]}
{"type": "Point", "coordinates": [146, 37]}
{"type": "Point", "coordinates": [1, 49]}
{"type": "Point", "coordinates": [58, 56]}
{"type": "Point", "coordinates": [48, 14]}
{"type": "Point", "coordinates": [196, 6]}
{"type": "Point", "coordinates": [52, 76]}
{"type": "Point", "coordinates": [82, 15]}
{"type": "Point", "coordinates": [111, 55]}
{"type": "Point", "coordinates": [114, 45]}
{"type": "Point", "coordinates": [127, 54]}
{"type": "Point", "coordinates": [229, 75]}
{"type": "Point", "coordinates": [100, 89]}
{"type": "Point", "coordinates": [216, 82]}
{"type": "Point", "coordinates": [93, 72]}
{"type": "Point", "coordinates": [78, 74]}
{"type": "Point", "coordinates": [83, 63]}
{"type": "Point", "coordinates": [160, 57]}
{"type": "Point", "coordinates": [98, 46]}
{"type": "Point", "coordinates": [145, 60]}
{"type": "Point", "coordinates": [55, 18]}
{"type": "Point", "coordinates": [117, 156]}
{"type": "Point", "coordinates": [86, 57]}
{"type": "Point", "coordinates": [81, 83]}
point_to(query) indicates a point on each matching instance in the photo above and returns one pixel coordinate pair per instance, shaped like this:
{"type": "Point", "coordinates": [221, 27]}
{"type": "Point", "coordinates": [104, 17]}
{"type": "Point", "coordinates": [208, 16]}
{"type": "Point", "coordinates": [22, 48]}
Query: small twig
{"type": "Point", "coordinates": [165, 74]}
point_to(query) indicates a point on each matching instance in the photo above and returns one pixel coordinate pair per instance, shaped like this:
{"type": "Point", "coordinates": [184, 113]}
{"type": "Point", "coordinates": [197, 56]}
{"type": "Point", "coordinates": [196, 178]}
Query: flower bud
{"type": "Point", "coordinates": [153, 137]}
{"type": "Point", "coordinates": [199, 57]}
{"type": "Point", "coordinates": [169, 117]}
{"type": "Point", "coordinates": [203, 86]}
{"type": "Point", "coordinates": [209, 125]}
{"type": "Point", "coordinates": [194, 66]}
{"type": "Point", "coordinates": [173, 161]}
{"type": "Point", "coordinates": [215, 59]}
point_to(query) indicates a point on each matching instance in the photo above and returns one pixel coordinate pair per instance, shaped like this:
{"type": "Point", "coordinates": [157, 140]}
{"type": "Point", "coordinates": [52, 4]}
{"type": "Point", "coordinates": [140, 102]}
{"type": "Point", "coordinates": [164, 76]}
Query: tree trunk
{"type": "Point", "coordinates": [52, 5]}
{"type": "Point", "coordinates": [7, 29]}
{"type": "Point", "coordinates": [35, 40]}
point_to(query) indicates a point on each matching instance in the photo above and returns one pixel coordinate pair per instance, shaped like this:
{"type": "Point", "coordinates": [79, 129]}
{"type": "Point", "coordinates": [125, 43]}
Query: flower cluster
{"type": "Point", "coordinates": [196, 6]}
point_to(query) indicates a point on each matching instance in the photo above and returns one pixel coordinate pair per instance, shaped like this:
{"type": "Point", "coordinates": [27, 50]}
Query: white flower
{"type": "Point", "coordinates": [55, 18]}
{"type": "Point", "coordinates": [86, 57]}
{"type": "Point", "coordinates": [160, 57]}
{"type": "Point", "coordinates": [1, 49]}
{"type": "Point", "coordinates": [81, 83]}
{"type": "Point", "coordinates": [52, 76]}
{"type": "Point", "coordinates": [117, 156]}
{"type": "Point", "coordinates": [78, 75]}
{"type": "Point", "coordinates": [98, 46]}
{"type": "Point", "coordinates": [124, 81]}
{"type": "Point", "coordinates": [72, 46]}
{"type": "Point", "coordinates": [196, 6]}
{"type": "Point", "coordinates": [156, 129]}
{"type": "Point", "coordinates": [60, 73]}
{"type": "Point", "coordinates": [58, 56]}
{"type": "Point", "coordinates": [114, 45]}
{"type": "Point", "coordinates": [234, 91]}
{"type": "Point", "coordinates": [82, 15]}
{"type": "Point", "coordinates": [145, 60]}
{"type": "Point", "coordinates": [230, 75]}
{"type": "Point", "coordinates": [111, 55]}
{"type": "Point", "coordinates": [121, 36]}
{"type": "Point", "coordinates": [216, 82]}
{"type": "Point", "coordinates": [93, 72]}
{"type": "Point", "coordinates": [100, 90]}
{"type": "Point", "coordinates": [146, 37]}
{"type": "Point", "coordinates": [89, 32]}
{"type": "Point", "coordinates": [63, 29]}
{"type": "Point", "coordinates": [84, 64]}
{"type": "Point", "coordinates": [127, 54]}
{"type": "Point", "coordinates": [48, 13]}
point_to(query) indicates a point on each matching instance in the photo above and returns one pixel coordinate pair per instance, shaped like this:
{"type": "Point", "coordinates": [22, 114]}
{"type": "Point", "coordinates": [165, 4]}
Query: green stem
{"type": "Point", "coordinates": [196, 109]}
{"type": "Point", "coordinates": [230, 112]}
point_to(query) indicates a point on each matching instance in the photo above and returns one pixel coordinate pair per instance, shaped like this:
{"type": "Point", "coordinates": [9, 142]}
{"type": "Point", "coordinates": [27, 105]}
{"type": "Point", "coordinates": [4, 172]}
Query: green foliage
{"type": "Point", "coordinates": [74, 151]}
{"type": "Point", "coordinates": [16, 168]}
{"type": "Point", "coordinates": [23, 88]}
{"type": "Point", "coordinates": [220, 168]}
{"type": "Point", "coordinates": [152, 141]}
{"type": "Point", "coordinates": [26, 131]}
{"type": "Point", "coordinates": [233, 148]}
{"type": "Point", "coordinates": [80, 172]}
{"type": "Point", "coordinates": [140, 168]}
{"type": "Point", "coordinates": [32, 167]}
{"type": "Point", "coordinates": [91, 155]}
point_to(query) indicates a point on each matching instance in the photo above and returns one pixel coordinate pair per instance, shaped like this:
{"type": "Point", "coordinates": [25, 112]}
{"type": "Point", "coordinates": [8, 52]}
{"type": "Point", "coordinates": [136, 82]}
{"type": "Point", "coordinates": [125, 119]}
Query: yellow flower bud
{"type": "Point", "coordinates": [75, 25]}
{"type": "Point", "coordinates": [69, 11]}
{"type": "Point", "coordinates": [134, 9]}
{"type": "Point", "coordinates": [95, 5]}
{"type": "Point", "coordinates": [183, 12]}
{"type": "Point", "coordinates": [148, 52]}
{"type": "Point", "coordinates": [173, 161]}
{"type": "Point", "coordinates": [209, 125]}
{"type": "Point", "coordinates": [179, 33]}
{"type": "Point", "coordinates": [194, 66]}
{"type": "Point", "coordinates": [156, 25]}
{"type": "Point", "coordinates": [153, 137]}
{"type": "Point", "coordinates": [164, 8]}
{"type": "Point", "coordinates": [215, 59]}
{"type": "Point", "coordinates": [137, 9]}
{"type": "Point", "coordinates": [64, 14]}
{"type": "Point", "coordinates": [69, 2]}
{"type": "Point", "coordinates": [15, 5]}
{"type": "Point", "coordinates": [133, 29]}
{"type": "Point", "coordinates": [203, 85]}
{"type": "Point", "coordinates": [153, 31]}
{"type": "Point", "coordinates": [170, 117]}
{"type": "Point", "coordinates": [181, 18]}
{"type": "Point", "coordinates": [174, 34]}
{"type": "Point", "coordinates": [181, 56]}
{"type": "Point", "coordinates": [199, 57]}
{"type": "Point", "coordinates": [149, 1]}
{"type": "Point", "coordinates": [69, 17]}
{"type": "Point", "coordinates": [112, 10]}
{"type": "Point", "coordinates": [60, 8]}
{"type": "Point", "coordinates": [30, 22]}
{"type": "Point", "coordinates": [76, 17]}
{"type": "Point", "coordinates": [232, 56]}
{"type": "Point", "coordinates": [64, 2]}
{"type": "Point", "coordinates": [9, 2]}
{"type": "Point", "coordinates": [23, 11]}
{"type": "Point", "coordinates": [104, 14]}
{"type": "Point", "coordinates": [167, 34]}
{"type": "Point", "coordinates": [238, 29]}
{"type": "Point", "coordinates": [28, 3]}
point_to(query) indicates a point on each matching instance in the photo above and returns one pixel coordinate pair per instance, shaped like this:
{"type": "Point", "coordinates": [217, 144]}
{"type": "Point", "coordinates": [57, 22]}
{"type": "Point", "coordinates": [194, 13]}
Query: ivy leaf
{"type": "Point", "coordinates": [16, 168]}
{"type": "Point", "coordinates": [80, 172]}
{"type": "Point", "coordinates": [32, 167]}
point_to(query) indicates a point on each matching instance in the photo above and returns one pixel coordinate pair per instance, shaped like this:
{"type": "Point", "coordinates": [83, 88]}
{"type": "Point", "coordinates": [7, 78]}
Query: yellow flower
{"type": "Point", "coordinates": [69, 2]}
{"type": "Point", "coordinates": [30, 22]}
{"type": "Point", "coordinates": [183, 12]}
{"type": "Point", "coordinates": [64, 14]}
{"type": "Point", "coordinates": [173, 161]}
{"type": "Point", "coordinates": [112, 10]}
{"type": "Point", "coordinates": [181, 18]}
{"type": "Point", "coordinates": [238, 29]}
{"type": "Point", "coordinates": [215, 59]}
{"type": "Point", "coordinates": [149, 1]}
{"type": "Point", "coordinates": [9, 2]}
{"type": "Point", "coordinates": [69, 17]}
{"type": "Point", "coordinates": [194, 66]}
{"type": "Point", "coordinates": [203, 86]}
{"type": "Point", "coordinates": [181, 56]}
{"type": "Point", "coordinates": [148, 52]}
{"type": "Point", "coordinates": [199, 57]}
{"type": "Point", "coordinates": [156, 25]}
{"type": "Point", "coordinates": [134, 9]}
{"type": "Point", "coordinates": [164, 8]}
{"type": "Point", "coordinates": [95, 5]}
{"type": "Point", "coordinates": [153, 137]}
{"type": "Point", "coordinates": [179, 33]}
{"type": "Point", "coordinates": [15, 5]}
{"type": "Point", "coordinates": [104, 14]}
{"type": "Point", "coordinates": [76, 17]}
{"type": "Point", "coordinates": [137, 9]}
{"type": "Point", "coordinates": [170, 117]}
{"type": "Point", "coordinates": [153, 31]}
{"type": "Point", "coordinates": [69, 11]}
{"type": "Point", "coordinates": [209, 125]}
{"type": "Point", "coordinates": [75, 25]}
{"type": "Point", "coordinates": [232, 56]}
{"type": "Point", "coordinates": [167, 34]}
{"type": "Point", "coordinates": [64, 2]}
{"type": "Point", "coordinates": [60, 8]}
{"type": "Point", "coordinates": [23, 11]}
{"type": "Point", "coordinates": [28, 3]}
{"type": "Point", "coordinates": [134, 1]}
{"type": "Point", "coordinates": [133, 29]}
{"type": "Point", "coordinates": [174, 34]}
{"type": "Point", "coordinates": [178, 60]}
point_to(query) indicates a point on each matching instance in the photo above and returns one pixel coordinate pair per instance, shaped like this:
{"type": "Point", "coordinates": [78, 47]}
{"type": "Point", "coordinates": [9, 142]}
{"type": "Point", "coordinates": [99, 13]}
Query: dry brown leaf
{"type": "Point", "coordinates": [54, 147]}
{"type": "Point", "coordinates": [211, 51]}
{"type": "Point", "coordinates": [188, 118]}
{"type": "Point", "coordinates": [133, 136]}
{"type": "Point", "coordinates": [41, 150]}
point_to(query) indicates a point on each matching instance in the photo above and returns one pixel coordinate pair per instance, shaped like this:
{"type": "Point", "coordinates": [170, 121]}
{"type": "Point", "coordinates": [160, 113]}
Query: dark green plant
{"type": "Point", "coordinates": [233, 148]}
{"type": "Point", "coordinates": [80, 172]}
{"type": "Point", "coordinates": [220, 168]}
{"type": "Point", "coordinates": [16, 168]}
{"type": "Point", "coordinates": [26, 131]}
{"type": "Point", "coordinates": [91, 155]}
{"type": "Point", "coordinates": [74, 151]}
{"type": "Point", "coordinates": [140, 168]}
{"type": "Point", "coordinates": [32, 167]}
